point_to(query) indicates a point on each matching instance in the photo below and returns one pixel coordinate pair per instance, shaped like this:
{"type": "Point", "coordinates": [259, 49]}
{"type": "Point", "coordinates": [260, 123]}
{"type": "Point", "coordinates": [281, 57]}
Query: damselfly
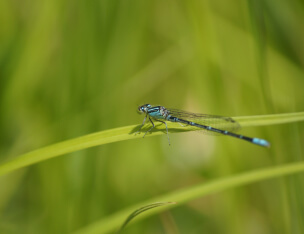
{"type": "Point", "coordinates": [209, 123]}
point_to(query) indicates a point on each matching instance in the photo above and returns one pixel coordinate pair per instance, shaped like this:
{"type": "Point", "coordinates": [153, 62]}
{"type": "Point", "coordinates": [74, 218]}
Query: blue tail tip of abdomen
{"type": "Point", "coordinates": [260, 142]}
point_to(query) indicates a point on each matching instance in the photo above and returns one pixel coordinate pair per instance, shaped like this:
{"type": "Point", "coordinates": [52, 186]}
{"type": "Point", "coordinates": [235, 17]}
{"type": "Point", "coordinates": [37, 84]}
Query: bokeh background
{"type": "Point", "coordinates": [70, 68]}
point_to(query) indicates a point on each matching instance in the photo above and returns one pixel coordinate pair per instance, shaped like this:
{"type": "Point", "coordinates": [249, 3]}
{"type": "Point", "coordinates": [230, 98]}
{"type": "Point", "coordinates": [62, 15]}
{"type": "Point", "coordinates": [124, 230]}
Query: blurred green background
{"type": "Point", "coordinates": [69, 68]}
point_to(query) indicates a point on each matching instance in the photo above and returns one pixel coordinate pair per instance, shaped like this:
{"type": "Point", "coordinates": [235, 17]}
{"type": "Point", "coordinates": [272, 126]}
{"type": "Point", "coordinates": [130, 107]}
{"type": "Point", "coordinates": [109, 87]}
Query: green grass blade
{"type": "Point", "coordinates": [247, 121]}
{"type": "Point", "coordinates": [141, 210]}
{"type": "Point", "coordinates": [125, 133]}
{"type": "Point", "coordinates": [111, 223]}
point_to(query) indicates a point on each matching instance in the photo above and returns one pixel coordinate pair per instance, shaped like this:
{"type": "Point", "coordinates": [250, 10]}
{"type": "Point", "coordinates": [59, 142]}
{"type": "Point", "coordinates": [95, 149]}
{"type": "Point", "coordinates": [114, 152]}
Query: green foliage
{"type": "Point", "coordinates": [73, 73]}
{"type": "Point", "coordinates": [188, 194]}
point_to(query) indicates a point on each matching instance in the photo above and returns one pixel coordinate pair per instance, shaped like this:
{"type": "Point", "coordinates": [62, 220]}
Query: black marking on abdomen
{"type": "Point", "coordinates": [211, 129]}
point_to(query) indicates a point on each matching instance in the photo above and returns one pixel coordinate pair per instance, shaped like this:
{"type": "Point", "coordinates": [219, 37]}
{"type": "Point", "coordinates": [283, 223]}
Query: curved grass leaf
{"type": "Point", "coordinates": [141, 210]}
{"type": "Point", "coordinates": [112, 222]}
{"type": "Point", "coordinates": [247, 121]}
{"type": "Point", "coordinates": [126, 133]}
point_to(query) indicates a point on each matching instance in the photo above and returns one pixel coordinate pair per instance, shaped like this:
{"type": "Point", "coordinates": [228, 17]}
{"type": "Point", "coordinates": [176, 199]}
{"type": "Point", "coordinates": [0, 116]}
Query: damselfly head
{"type": "Point", "coordinates": [144, 108]}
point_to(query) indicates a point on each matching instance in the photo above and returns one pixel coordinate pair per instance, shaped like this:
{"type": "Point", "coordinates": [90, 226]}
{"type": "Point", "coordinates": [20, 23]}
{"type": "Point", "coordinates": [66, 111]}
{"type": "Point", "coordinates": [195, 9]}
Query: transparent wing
{"type": "Point", "coordinates": [215, 121]}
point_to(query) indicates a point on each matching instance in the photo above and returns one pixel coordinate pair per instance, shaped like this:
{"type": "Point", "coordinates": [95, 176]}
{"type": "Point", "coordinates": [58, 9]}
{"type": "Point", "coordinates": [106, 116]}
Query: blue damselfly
{"type": "Point", "coordinates": [209, 123]}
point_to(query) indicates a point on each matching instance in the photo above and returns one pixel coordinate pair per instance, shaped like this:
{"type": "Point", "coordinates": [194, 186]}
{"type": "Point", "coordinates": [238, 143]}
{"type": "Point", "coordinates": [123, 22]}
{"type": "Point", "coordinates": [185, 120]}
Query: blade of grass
{"type": "Point", "coordinates": [125, 133]}
{"type": "Point", "coordinates": [141, 210]}
{"type": "Point", "coordinates": [247, 121]}
{"type": "Point", "coordinates": [112, 222]}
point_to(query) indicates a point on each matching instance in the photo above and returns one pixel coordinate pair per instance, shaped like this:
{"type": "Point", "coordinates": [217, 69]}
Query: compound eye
{"type": "Point", "coordinates": [148, 105]}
